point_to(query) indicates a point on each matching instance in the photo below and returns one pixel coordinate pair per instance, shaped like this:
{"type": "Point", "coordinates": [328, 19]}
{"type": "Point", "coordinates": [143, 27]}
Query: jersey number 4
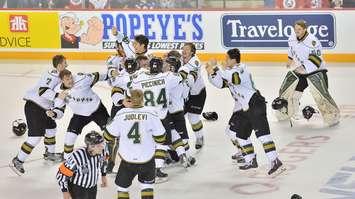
{"type": "Point", "coordinates": [149, 98]}
{"type": "Point", "coordinates": [134, 134]}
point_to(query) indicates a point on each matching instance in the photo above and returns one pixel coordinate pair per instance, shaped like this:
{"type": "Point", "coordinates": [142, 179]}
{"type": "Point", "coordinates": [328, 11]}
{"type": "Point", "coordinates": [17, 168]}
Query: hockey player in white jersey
{"type": "Point", "coordinates": [305, 56]}
{"type": "Point", "coordinates": [139, 46]}
{"type": "Point", "coordinates": [138, 129]}
{"type": "Point", "coordinates": [143, 62]}
{"type": "Point", "coordinates": [85, 104]}
{"type": "Point", "coordinates": [115, 63]}
{"type": "Point", "coordinates": [157, 89]}
{"type": "Point", "coordinates": [197, 96]}
{"type": "Point", "coordinates": [119, 86]}
{"type": "Point", "coordinates": [40, 115]}
{"type": "Point", "coordinates": [115, 69]}
{"type": "Point", "coordinates": [176, 111]}
{"type": "Point", "coordinates": [249, 110]}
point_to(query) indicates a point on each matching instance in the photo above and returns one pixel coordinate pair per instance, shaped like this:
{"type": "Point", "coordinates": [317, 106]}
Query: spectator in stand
{"type": "Point", "coordinates": [73, 4]}
{"type": "Point", "coordinates": [14, 4]}
{"type": "Point", "coordinates": [144, 4]}
{"type": "Point", "coordinates": [170, 4]}
{"type": "Point", "coordinates": [96, 4]}
{"type": "Point", "coordinates": [299, 4]}
{"type": "Point", "coordinates": [348, 4]}
{"type": "Point", "coordinates": [119, 3]}
{"type": "Point", "coordinates": [186, 4]}
{"type": "Point", "coordinates": [269, 3]}
{"type": "Point", "coordinates": [337, 4]}
{"type": "Point", "coordinates": [2, 3]}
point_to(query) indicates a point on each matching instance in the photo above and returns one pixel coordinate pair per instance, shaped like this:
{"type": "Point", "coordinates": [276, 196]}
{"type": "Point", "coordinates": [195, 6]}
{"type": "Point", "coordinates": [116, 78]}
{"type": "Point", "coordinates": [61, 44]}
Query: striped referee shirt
{"type": "Point", "coordinates": [81, 169]}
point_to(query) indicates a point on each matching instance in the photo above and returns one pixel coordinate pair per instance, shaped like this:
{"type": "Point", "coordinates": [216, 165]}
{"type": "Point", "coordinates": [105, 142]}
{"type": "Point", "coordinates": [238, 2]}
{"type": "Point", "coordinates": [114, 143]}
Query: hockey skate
{"type": "Point", "coordinates": [199, 142]}
{"type": "Point", "coordinates": [252, 164]}
{"type": "Point", "coordinates": [160, 176]}
{"type": "Point", "coordinates": [276, 168]}
{"type": "Point", "coordinates": [187, 161]}
{"type": "Point", "coordinates": [54, 157]}
{"type": "Point", "coordinates": [238, 158]}
{"type": "Point", "coordinates": [183, 161]}
{"type": "Point", "coordinates": [17, 166]}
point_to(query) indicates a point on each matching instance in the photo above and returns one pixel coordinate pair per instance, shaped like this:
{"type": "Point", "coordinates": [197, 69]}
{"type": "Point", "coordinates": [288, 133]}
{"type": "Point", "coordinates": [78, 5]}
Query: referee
{"type": "Point", "coordinates": [78, 176]}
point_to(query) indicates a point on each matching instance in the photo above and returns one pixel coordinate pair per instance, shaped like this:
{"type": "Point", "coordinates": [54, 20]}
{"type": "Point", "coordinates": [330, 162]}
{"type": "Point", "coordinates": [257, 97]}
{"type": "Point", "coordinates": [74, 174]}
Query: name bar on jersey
{"type": "Point", "coordinates": [270, 30]}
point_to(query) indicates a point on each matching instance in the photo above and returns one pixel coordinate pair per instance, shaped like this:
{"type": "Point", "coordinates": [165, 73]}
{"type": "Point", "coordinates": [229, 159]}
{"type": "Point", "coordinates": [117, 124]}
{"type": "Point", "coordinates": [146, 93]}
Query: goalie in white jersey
{"type": "Point", "coordinates": [305, 54]}
{"type": "Point", "coordinates": [138, 129]}
{"type": "Point", "coordinates": [85, 104]}
{"type": "Point", "coordinates": [249, 110]}
{"type": "Point", "coordinates": [40, 115]}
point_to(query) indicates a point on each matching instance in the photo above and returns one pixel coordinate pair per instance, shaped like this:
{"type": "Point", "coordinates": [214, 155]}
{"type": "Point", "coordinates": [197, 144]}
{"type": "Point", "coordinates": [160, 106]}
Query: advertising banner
{"type": "Point", "coordinates": [29, 30]}
{"type": "Point", "coordinates": [165, 30]}
{"type": "Point", "coordinates": [273, 30]}
{"type": "Point", "coordinates": [88, 34]}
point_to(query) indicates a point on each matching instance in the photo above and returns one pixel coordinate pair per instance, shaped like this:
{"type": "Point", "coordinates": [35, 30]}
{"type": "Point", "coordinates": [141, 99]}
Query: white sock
{"type": "Point", "coordinates": [27, 147]}
{"type": "Point", "coordinates": [49, 140]}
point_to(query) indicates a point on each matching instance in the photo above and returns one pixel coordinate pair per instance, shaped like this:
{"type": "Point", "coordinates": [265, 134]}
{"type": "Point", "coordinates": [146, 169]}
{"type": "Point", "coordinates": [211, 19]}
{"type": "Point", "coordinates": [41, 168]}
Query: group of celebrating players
{"type": "Point", "coordinates": [150, 98]}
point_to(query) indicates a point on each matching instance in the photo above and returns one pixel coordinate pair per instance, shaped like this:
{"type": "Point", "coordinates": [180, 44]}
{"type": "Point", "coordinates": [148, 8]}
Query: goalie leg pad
{"type": "Point", "coordinates": [326, 104]}
{"type": "Point", "coordinates": [289, 85]}
{"type": "Point", "coordinates": [287, 92]}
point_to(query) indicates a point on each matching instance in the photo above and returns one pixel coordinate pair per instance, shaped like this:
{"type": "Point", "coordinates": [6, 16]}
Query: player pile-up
{"type": "Point", "coordinates": [150, 98]}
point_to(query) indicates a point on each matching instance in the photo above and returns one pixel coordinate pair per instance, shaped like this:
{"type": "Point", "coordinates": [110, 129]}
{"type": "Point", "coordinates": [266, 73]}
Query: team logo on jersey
{"type": "Point", "coordinates": [314, 43]}
{"type": "Point", "coordinates": [270, 30]}
{"type": "Point", "coordinates": [18, 23]}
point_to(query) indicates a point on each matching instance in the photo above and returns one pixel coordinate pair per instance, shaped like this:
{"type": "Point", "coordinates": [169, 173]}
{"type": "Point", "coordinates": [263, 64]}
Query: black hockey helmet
{"type": "Point", "coordinates": [156, 65]}
{"type": "Point", "coordinates": [308, 112]}
{"type": "Point", "coordinates": [19, 127]}
{"type": "Point", "coordinates": [93, 138]}
{"type": "Point", "coordinates": [210, 116]}
{"type": "Point", "coordinates": [174, 62]}
{"type": "Point", "coordinates": [279, 103]}
{"type": "Point", "coordinates": [296, 196]}
{"type": "Point", "coordinates": [130, 65]}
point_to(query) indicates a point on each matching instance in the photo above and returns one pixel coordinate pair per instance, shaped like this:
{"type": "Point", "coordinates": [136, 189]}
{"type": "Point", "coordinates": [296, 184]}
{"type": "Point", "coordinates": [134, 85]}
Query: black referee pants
{"type": "Point", "coordinates": [78, 192]}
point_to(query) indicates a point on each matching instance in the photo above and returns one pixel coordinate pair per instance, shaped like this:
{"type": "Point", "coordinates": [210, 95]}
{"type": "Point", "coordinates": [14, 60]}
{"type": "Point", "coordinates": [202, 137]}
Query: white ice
{"type": "Point", "coordinates": [319, 159]}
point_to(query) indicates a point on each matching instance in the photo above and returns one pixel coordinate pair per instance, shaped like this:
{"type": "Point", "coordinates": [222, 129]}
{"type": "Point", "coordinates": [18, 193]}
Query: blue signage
{"type": "Point", "coordinates": [273, 30]}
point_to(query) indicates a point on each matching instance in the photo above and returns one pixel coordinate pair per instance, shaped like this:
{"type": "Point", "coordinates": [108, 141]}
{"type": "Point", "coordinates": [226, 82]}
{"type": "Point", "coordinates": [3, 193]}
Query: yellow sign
{"type": "Point", "coordinates": [29, 30]}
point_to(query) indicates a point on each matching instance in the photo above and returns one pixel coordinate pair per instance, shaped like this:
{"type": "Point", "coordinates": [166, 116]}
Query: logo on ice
{"type": "Point", "coordinates": [18, 23]}
{"type": "Point", "coordinates": [271, 30]}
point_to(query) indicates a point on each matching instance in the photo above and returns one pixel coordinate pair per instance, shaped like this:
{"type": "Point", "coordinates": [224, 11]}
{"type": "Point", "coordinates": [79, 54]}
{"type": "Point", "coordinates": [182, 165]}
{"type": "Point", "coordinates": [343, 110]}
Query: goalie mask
{"type": "Point", "coordinates": [279, 103]}
{"type": "Point", "coordinates": [19, 127]}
